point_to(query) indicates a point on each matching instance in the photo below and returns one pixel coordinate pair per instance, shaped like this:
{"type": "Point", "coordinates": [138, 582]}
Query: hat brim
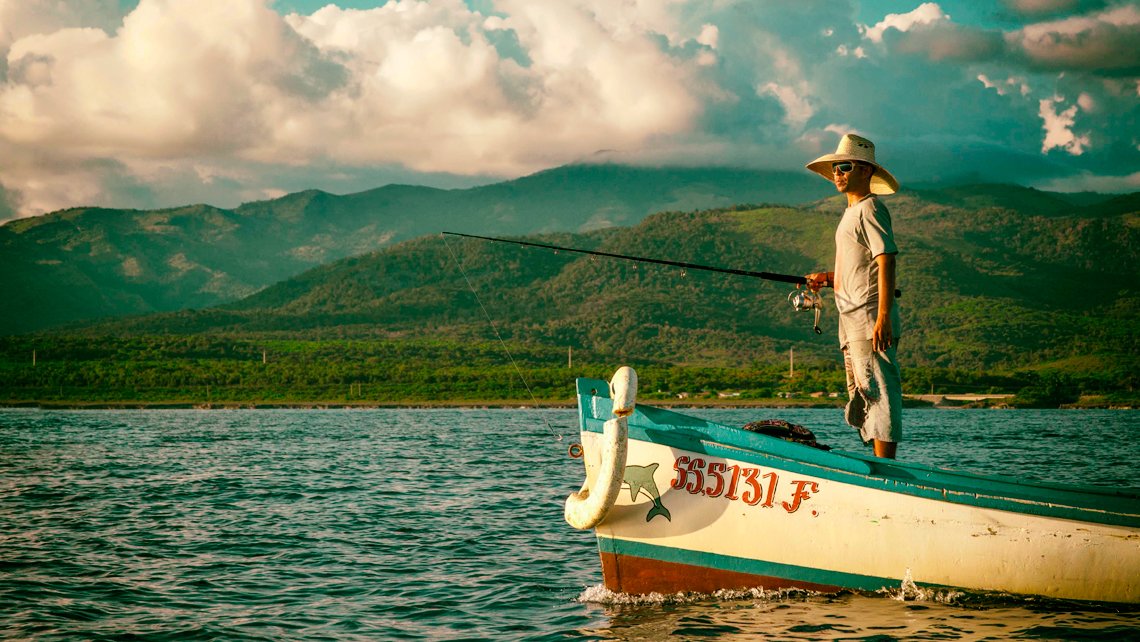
{"type": "Point", "coordinates": [882, 181]}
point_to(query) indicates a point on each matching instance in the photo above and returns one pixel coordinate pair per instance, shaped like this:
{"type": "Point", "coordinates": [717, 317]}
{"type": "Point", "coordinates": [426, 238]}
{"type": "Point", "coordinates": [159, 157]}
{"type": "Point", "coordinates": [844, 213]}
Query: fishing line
{"type": "Point", "coordinates": [768, 276]}
{"type": "Point", "coordinates": [494, 328]}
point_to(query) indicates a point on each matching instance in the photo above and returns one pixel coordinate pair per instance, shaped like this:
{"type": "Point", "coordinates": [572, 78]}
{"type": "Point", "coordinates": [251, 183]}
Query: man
{"type": "Point", "coordinates": [864, 282]}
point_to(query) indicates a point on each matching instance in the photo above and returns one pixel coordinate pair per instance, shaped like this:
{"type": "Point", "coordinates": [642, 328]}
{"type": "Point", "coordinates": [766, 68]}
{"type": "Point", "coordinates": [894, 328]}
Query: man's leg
{"type": "Point", "coordinates": [887, 368]}
{"type": "Point", "coordinates": [877, 379]}
{"type": "Point", "coordinates": [856, 411]}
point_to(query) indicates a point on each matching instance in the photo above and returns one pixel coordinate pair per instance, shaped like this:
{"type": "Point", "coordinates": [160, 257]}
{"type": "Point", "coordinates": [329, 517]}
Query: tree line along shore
{"type": "Point", "coordinates": [204, 372]}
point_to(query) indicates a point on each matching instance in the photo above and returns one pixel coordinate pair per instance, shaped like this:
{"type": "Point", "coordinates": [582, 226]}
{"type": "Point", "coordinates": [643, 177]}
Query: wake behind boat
{"type": "Point", "coordinates": [680, 504]}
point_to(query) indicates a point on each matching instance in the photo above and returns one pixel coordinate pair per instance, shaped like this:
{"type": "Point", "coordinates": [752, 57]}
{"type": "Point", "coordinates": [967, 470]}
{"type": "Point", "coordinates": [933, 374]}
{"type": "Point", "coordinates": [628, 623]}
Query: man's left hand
{"type": "Point", "coordinates": [881, 335]}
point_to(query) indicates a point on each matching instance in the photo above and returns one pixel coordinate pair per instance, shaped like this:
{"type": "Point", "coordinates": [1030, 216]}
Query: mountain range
{"type": "Point", "coordinates": [993, 277]}
{"type": "Point", "coordinates": [93, 263]}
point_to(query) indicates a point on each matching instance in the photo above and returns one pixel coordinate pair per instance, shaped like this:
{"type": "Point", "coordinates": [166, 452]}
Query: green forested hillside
{"type": "Point", "coordinates": [91, 263]}
{"type": "Point", "coordinates": [989, 288]}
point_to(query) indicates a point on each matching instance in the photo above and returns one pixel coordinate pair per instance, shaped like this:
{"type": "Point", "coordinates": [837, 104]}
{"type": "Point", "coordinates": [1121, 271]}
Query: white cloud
{"type": "Point", "coordinates": [925, 14]}
{"type": "Point", "coordinates": [176, 79]}
{"type": "Point", "coordinates": [1003, 87]}
{"type": "Point", "coordinates": [709, 36]}
{"type": "Point", "coordinates": [797, 108]}
{"type": "Point", "coordinates": [1058, 127]}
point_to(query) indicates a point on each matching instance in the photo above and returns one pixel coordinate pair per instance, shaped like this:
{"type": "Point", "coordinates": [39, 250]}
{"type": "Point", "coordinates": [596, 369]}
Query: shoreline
{"type": "Point", "coordinates": [910, 403]}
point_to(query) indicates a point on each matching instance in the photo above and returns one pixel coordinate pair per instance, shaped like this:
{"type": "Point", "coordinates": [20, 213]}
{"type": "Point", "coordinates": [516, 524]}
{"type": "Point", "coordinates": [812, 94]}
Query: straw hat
{"type": "Point", "coordinates": [856, 148]}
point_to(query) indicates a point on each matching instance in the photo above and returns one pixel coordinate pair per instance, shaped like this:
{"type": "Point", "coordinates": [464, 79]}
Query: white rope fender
{"type": "Point", "coordinates": [587, 508]}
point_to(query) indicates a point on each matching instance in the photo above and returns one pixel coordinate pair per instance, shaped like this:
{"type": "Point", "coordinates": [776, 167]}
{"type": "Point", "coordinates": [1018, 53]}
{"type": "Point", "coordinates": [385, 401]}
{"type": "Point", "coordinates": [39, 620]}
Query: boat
{"type": "Point", "coordinates": [680, 504]}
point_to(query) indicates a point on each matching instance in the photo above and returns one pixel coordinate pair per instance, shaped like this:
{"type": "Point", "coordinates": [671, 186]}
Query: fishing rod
{"type": "Point", "coordinates": [800, 300]}
{"type": "Point", "coordinates": [769, 276]}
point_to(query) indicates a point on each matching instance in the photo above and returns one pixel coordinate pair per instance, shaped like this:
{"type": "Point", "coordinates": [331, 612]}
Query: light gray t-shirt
{"type": "Point", "coordinates": [863, 233]}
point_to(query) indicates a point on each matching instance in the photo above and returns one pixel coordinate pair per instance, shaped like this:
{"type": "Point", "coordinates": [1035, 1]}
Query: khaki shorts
{"type": "Point", "coordinates": [874, 390]}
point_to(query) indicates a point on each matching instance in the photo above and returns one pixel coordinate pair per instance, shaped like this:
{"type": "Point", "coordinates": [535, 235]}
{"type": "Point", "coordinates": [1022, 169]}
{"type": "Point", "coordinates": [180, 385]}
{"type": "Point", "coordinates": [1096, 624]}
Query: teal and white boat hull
{"type": "Point", "coordinates": [704, 506]}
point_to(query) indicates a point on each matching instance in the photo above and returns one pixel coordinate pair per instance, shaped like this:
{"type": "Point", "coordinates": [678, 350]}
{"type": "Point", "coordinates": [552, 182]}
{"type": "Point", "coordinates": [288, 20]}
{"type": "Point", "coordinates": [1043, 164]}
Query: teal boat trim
{"type": "Point", "coordinates": [1100, 505]}
{"type": "Point", "coordinates": [804, 574]}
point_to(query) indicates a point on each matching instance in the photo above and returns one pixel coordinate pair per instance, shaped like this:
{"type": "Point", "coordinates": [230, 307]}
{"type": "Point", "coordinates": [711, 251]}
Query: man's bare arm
{"type": "Point", "coordinates": [881, 337]}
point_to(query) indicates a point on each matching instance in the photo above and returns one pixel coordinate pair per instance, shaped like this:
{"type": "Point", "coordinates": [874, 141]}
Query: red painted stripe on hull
{"type": "Point", "coordinates": [639, 575]}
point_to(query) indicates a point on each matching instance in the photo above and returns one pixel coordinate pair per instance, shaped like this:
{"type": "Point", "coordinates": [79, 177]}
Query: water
{"type": "Point", "coordinates": [440, 525]}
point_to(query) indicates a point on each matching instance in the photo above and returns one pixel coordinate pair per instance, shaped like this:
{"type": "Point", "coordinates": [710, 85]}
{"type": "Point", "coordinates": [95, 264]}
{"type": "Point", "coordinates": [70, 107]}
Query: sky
{"type": "Point", "coordinates": [159, 103]}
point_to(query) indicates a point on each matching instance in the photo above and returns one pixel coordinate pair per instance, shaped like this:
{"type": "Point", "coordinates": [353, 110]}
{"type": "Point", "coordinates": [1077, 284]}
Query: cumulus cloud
{"type": "Point", "coordinates": [175, 79]}
{"type": "Point", "coordinates": [1106, 42]}
{"type": "Point", "coordinates": [797, 108]}
{"type": "Point", "coordinates": [927, 13]}
{"type": "Point", "coordinates": [709, 36]}
{"type": "Point", "coordinates": [431, 90]}
{"type": "Point", "coordinates": [1058, 127]}
{"type": "Point", "coordinates": [930, 32]}
{"type": "Point", "coordinates": [1004, 87]}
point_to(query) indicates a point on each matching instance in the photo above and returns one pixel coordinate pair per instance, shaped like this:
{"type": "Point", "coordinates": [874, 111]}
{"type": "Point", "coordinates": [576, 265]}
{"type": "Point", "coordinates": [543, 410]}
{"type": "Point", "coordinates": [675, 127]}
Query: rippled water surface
{"type": "Point", "coordinates": [438, 524]}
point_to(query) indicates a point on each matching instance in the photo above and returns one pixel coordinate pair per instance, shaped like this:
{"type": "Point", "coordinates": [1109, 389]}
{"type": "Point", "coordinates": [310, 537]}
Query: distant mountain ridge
{"type": "Point", "coordinates": [91, 263]}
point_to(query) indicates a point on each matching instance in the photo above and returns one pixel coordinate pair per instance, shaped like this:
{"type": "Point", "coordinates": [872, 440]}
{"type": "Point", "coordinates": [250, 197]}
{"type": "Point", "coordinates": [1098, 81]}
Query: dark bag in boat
{"type": "Point", "coordinates": [787, 431]}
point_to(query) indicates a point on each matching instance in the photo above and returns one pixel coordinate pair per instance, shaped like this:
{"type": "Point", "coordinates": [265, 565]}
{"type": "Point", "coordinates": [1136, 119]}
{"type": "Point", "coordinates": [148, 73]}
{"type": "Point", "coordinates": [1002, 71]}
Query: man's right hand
{"type": "Point", "coordinates": [819, 280]}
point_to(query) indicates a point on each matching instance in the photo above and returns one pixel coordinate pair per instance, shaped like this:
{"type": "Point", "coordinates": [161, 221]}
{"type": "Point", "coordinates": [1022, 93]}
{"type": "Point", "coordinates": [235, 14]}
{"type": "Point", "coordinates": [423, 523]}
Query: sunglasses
{"type": "Point", "coordinates": [843, 168]}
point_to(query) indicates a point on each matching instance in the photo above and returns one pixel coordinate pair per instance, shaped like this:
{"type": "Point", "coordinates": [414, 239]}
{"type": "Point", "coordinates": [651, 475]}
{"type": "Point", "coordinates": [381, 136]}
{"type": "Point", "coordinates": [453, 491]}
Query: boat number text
{"type": "Point", "coordinates": [738, 483]}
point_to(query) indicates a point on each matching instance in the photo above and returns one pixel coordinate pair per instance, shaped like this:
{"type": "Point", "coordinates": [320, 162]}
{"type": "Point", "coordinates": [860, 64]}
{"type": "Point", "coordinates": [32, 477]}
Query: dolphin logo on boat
{"type": "Point", "coordinates": [640, 479]}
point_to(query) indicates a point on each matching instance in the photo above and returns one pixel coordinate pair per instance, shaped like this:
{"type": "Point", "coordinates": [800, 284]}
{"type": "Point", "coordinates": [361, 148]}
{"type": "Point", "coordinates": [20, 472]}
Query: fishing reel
{"type": "Point", "coordinates": [803, 300]}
